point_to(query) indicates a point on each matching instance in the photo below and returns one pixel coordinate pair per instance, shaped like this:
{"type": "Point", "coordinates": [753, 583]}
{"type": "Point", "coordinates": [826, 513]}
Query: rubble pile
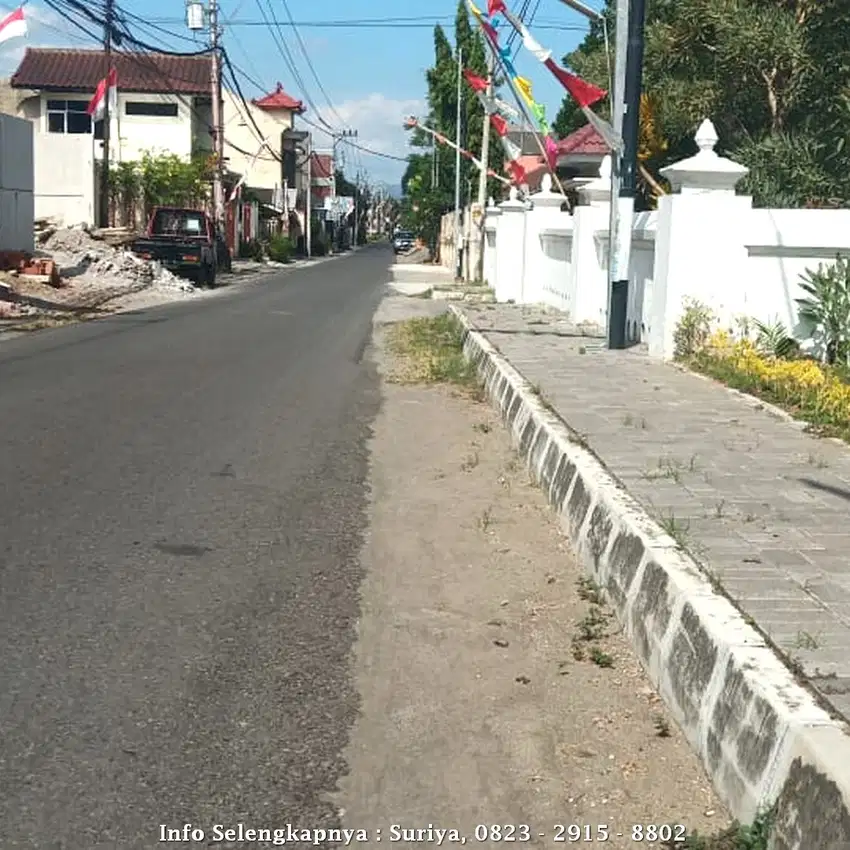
{"type": "Point", "coordinates": [90, 261]}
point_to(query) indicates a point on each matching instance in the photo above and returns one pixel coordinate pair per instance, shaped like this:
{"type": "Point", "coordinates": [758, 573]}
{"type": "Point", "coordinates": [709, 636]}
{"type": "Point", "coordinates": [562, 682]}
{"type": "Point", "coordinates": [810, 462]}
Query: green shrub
{"type": "Point", "coordinates": [251, 249]}
{"type": "Point", "coordinates": [280, 249]}
{"type": "Point", "coordinates": [319, 247]}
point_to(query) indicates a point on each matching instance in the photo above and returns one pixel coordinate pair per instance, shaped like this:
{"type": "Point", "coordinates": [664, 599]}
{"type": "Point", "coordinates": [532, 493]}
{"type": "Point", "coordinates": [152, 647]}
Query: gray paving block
{"type": "Point", "coordinates": [766, 504]}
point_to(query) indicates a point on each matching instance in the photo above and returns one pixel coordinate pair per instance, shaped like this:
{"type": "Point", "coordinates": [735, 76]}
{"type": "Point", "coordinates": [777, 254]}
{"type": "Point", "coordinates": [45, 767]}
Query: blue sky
{"type": "Point", "coordinates": [373, 76]}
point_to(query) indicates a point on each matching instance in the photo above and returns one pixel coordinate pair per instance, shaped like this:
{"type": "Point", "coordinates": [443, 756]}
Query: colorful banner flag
{"type": "Point", "coordinates": [583, 93]}
{"type": "Point", "coordinates": [523, 87]}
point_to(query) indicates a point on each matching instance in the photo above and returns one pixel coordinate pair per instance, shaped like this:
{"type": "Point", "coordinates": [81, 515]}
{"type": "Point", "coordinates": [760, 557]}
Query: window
{"type": "Point", "coordinates": [155, 109]}
{"type": "Point", "coordinates": [68, 116]}
{"type": "Point", "coordinates": [178, 223]}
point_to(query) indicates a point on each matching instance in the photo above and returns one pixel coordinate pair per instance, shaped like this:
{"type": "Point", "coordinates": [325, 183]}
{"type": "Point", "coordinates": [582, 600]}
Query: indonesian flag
{"type": "Point", "coordinates": [106, 89]}
{"type": "Point", "coordinates": [14, 25]}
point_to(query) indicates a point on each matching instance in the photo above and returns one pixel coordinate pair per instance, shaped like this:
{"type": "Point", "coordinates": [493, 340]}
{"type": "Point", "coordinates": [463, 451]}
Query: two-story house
{"type": "Point", "coordinates": [164, 106]}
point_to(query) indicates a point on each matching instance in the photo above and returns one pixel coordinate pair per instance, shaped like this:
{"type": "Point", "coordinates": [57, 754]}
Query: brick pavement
{"type": "Point", "coordinates": [763, 506]}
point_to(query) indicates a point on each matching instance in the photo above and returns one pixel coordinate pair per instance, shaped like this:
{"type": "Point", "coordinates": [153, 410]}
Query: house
{"type": "Point", "coordinates": [164, 101]}
{"type": "Point", "coordinates": [579, 156]}
{"type": "Point", "coordinates": [247, 125]}
{"type": "Point", "coordinates": [164, 107]}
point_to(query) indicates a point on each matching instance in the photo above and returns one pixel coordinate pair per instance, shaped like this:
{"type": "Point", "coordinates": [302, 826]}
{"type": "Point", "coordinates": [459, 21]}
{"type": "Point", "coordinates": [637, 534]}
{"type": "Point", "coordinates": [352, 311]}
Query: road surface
{"type": "Point", "coordinates": [182, 512]}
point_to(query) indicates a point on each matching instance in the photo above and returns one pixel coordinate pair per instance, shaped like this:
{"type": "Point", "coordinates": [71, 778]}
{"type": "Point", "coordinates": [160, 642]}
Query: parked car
{"type": "Point", "coordinates": [186, 242]}
{"type": "Point", "coordinates": [403, 241]}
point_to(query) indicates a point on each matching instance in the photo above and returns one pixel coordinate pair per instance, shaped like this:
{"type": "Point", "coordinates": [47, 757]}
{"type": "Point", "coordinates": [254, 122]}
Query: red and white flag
{"type": "Point", "coordinates": [14, 25]}
{"type": "Point", "coordinates": [107, 90]}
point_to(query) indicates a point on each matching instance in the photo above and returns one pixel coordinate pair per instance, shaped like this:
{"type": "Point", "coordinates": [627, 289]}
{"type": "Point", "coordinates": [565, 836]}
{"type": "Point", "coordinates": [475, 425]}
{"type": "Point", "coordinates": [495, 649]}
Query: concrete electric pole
{"type": "Point", "coordinates": [308, 217]}
{"type": "Point", "coordinates": [629, 70]}
{"type": "Point", "coordinates": [218, 132]}
{"type": "Point", "coordinates": [338, 139]}
{"type": "Point", "coordinates": [458, 250]}
{"type": "Point", "coordinates": [103, 212]}
{"type": "Point", "coordinates": [482, 174]}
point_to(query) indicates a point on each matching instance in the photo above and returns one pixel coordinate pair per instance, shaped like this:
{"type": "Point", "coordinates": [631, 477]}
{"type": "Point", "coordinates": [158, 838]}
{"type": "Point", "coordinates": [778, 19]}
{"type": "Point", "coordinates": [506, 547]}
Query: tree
{"type": "Point", "coordinates": [773, 75]}
{"type": "Point", "coordinates": [428, 183]}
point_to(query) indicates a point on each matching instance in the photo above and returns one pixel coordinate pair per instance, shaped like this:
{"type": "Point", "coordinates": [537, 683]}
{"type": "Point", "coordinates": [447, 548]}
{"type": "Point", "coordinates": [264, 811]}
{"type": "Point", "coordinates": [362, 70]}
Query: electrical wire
{"type": "Point", "coordinates": [67, 8]}
{"type": "Point", "coordinates": [310, 62]}
{"type": "Point", "coordinates": [419, 22]}
{"type": "Point", "coordinates": [283, 49]}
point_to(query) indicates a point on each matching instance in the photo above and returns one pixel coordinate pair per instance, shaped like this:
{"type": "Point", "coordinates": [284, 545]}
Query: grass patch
{"type": "Point", "coordinates": [430, 351]}
{"type": "Point", "coordinates": [600, 658]}
{"type": "Point", "coordinates": [677, 529]}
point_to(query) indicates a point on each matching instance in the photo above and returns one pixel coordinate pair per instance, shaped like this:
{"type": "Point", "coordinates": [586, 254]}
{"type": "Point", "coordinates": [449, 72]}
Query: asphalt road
{"type": "Point", "coordinates": [182, 511]}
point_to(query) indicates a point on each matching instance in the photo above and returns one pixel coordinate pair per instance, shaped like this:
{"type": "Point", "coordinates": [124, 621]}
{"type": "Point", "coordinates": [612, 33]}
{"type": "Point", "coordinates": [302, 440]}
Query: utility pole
{"type": "Point", "coordinates": [616, 222]}
{"type": "Point", "coordinates": [337, 139]}
{"type": "Point", "coordinates": [458, 256]}
{"type": "Point", "coordinates": [107, 118]}
{"type": "Point", "coordinates": [218, 131]}
{"type": "Point", "coordinates": [618, 295]}
{"type": "Point", "coordinates": [308, 222]}
{"type": "Point", "coordinates": [482, 174]}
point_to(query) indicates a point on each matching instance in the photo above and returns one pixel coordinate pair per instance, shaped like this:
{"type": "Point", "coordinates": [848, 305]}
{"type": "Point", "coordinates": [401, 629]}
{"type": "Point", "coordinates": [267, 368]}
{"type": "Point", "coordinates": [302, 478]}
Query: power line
{"type": "Point", "coordinates": [373, 23]}
{"type": "Point", "coordinates": [310, 62]}
{"type": "Point", "coordinates": [283, 49]}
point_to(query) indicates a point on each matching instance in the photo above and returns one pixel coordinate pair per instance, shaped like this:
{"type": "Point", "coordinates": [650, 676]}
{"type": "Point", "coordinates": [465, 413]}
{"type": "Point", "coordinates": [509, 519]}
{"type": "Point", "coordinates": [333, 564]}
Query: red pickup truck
{"type": "Point", "coordinates": [186, 242]}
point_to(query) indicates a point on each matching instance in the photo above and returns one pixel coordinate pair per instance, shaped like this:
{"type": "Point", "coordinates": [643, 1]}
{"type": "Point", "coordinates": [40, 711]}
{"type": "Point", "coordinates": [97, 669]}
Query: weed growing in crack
{"type": "Point", "coordinates": [677, 529]}
{"type": "Point", "coordinates": [592, 627]}
{"type": "Point", "coordinates": [589, 591]}
{"type": "Point", "coordinates": [600, 658]}
{"type": "Point", "coordinates": [806, 641]}
{"type": "Point", "coordinates": [485, 520]}
{"type": "Point", "coordinates": [662, 726]}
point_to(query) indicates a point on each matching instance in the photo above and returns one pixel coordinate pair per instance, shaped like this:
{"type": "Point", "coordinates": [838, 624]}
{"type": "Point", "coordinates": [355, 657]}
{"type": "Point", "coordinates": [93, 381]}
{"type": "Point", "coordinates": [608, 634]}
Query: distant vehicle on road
{"type": "Point", "coordinates": [186, 242]}
{"type": "Point", "coordinates": [403, 240]}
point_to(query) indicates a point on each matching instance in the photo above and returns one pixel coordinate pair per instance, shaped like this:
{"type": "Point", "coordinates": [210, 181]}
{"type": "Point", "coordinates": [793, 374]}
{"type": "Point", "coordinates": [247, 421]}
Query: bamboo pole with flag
{"type": "Point", "coordinates": [105, 95]}
{"type": "Point", "coordinates": [14, 25]}
{"type": "Point", "coordinates": [513, 152]}
{"type": "Point", "coordinates": [520, 89]}
{"type": "Point", "coordinates": [441, 139]}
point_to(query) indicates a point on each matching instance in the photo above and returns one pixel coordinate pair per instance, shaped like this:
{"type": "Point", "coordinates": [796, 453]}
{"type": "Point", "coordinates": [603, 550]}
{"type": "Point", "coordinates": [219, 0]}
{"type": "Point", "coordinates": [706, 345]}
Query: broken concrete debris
{"type": "Point", "coordinates": [77, 268]}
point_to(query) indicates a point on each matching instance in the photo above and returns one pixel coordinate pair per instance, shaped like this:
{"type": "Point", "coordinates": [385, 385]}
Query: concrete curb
{"type": "Point", "coordinates": [761, 736]}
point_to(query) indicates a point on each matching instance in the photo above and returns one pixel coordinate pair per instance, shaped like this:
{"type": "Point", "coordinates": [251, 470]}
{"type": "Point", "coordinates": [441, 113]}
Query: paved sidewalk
{"type": "Point", "coordinates": [761, 505]}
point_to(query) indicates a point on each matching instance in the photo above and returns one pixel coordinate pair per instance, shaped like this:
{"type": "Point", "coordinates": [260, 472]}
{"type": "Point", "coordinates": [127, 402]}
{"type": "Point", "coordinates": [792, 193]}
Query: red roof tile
{"type": "Point", "coordinates": [584, 142]}
{"type": "Point", "coordinates": [60, 69]}
{"type": "Point", "coordinates": [279, 99]}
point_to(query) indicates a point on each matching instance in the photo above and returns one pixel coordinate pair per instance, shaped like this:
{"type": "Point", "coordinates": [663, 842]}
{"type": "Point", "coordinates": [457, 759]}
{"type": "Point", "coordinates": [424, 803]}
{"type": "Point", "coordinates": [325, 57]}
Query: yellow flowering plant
{"type": "Point", "coordinates": [814, 392]}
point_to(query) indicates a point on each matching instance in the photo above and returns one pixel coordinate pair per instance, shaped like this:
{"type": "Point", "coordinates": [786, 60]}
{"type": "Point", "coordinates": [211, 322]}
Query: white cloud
{"type": "Point", "coordinates": [379, 122]}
